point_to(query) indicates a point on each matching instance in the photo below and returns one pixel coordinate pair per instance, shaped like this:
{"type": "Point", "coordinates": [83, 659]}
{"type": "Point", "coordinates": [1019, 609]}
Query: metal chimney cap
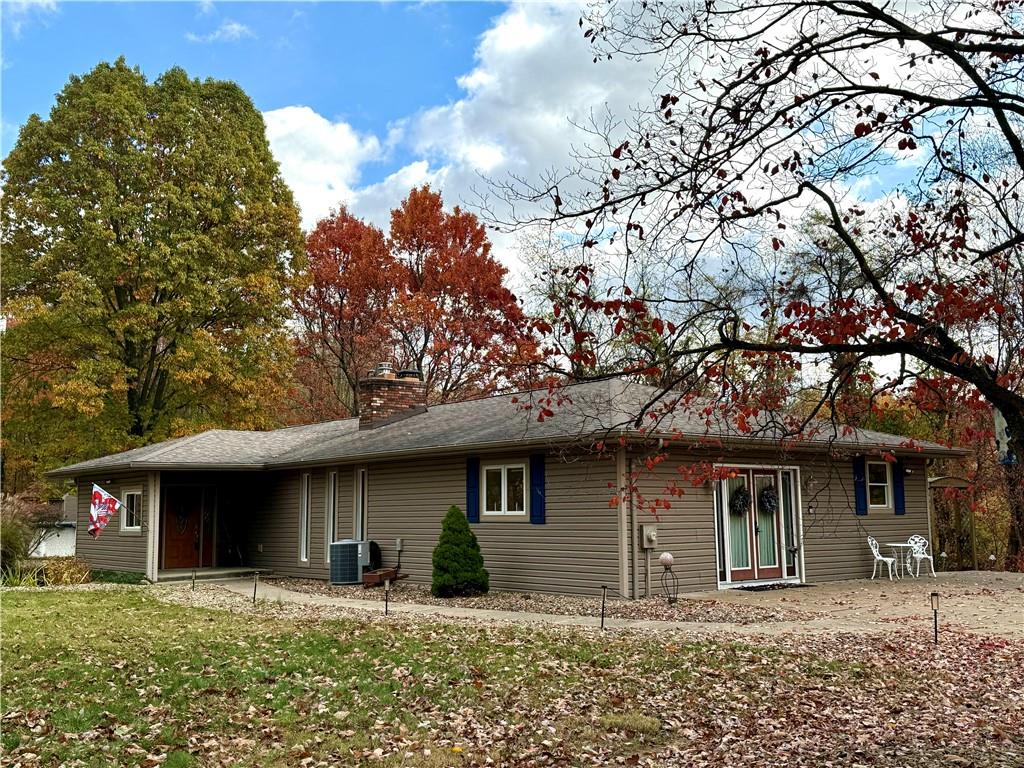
{"type": "Point", "coordinates": [410, 373]}
{"type": "Point", "coordinates": [383, 369]}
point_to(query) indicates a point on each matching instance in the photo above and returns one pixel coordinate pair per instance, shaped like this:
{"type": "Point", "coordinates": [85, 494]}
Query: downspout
{"type": "Point", "coordinates": [632, 534]}
{"type": "Point", "coordinates": [933, 538]}
{"type": "Point", "coordinates": [623, 527]}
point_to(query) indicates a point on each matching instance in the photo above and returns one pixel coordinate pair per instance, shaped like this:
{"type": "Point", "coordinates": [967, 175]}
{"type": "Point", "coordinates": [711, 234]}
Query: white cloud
{"type": "Point", "coordinates": [227, 32]}
{"type": "Point", "coordinates": [17, 13]}
{"type": "Point", "coordinates": [320, 159]}
{"type": "Point", "coordinates": [533, 77]}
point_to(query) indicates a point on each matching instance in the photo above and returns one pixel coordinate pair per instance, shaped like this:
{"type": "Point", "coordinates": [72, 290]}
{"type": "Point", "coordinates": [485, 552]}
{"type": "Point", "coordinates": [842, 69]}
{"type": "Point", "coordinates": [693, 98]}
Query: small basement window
{"type": "Point", "coordinates": [879, 484]}
{"type": "Point", "coordinates": [504, 489]}
{"type": "Point", "coordinates": [131, 517]}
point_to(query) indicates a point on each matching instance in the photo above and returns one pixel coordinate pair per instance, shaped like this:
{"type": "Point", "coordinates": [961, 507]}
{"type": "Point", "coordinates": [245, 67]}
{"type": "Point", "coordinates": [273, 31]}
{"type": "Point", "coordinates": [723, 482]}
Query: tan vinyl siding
{"type": "Point", "coordinates": [275, 525]}
{"type": "Point", "coordinates": [114, 550]}
{"type": "Point", "coordinates": [686, 529]}
{"type": "Point", "coordinates": [834, 536]}
{"type": "Point", "coordinates": [574, 551]}
{"type": "Point", "coordinates": [346, 518]}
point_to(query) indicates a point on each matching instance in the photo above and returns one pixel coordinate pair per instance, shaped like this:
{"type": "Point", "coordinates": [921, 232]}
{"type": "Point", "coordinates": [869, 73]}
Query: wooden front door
{"type": "Point", "coordinates": [187, 529]}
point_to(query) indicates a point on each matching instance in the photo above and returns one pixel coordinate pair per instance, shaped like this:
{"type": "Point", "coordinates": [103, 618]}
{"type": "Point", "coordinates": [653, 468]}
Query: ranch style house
{"type": "Point", "coordinates": [545, 506]}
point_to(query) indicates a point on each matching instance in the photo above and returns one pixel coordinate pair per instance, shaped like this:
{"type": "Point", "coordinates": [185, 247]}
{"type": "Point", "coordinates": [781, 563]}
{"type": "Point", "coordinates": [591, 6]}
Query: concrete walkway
{"type": "Point", "coordinates": [275, 593]}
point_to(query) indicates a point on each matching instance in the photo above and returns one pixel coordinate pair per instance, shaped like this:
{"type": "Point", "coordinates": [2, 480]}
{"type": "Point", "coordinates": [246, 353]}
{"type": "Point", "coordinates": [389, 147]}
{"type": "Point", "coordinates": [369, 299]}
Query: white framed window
{"type": "Point", "coordinates": [504, 489]}
{"type": "Point", "coordinates": [330, 514]}
{"type": "Point", "coordinates": [879, 484]}
{"type": "Point", "coordinates": [131, 515]}
{"type": "Point", "coordinates": [305, 499]}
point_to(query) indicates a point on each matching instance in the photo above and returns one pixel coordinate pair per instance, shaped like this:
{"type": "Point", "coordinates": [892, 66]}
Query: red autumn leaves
{"type": "Point", "coordinates": [429, 295]}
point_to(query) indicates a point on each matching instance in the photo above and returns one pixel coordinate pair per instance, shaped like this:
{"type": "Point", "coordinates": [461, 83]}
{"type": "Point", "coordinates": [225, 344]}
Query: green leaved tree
{"type": "Point", "coordinates": [148, 244]}
{"type": "Point", "coordinates": [458, 565]}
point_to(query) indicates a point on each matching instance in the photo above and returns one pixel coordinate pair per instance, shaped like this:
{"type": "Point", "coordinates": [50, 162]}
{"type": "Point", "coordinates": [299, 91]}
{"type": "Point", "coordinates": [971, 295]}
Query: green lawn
{"type": "Point", "coordinates": [115, 677]}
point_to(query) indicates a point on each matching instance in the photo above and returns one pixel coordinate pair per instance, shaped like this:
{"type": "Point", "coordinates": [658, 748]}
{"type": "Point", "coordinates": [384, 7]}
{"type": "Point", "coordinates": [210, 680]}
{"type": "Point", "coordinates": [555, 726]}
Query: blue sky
{"type": "Point", "coordinates": [362, 101]}
{"type": "Point", "coordinates": [367, 63]}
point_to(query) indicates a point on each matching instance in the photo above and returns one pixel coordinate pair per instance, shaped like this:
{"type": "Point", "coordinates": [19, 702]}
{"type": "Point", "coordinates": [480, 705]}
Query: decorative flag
{"type": "Point", "coordinates": [102, 509]}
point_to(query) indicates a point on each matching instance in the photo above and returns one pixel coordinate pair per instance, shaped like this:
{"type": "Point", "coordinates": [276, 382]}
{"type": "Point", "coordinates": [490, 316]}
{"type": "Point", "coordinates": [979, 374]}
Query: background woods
{"type": "Point", "coordinates": [429, 296]}
{"type": "Point", "coordinates": [156, 283]}
{"type": "Point", "coordinates": [148, 244]}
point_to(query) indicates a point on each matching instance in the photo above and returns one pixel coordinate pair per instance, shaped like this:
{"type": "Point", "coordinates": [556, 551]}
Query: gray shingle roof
{"type": "Point", "coordinates": [594, 410]}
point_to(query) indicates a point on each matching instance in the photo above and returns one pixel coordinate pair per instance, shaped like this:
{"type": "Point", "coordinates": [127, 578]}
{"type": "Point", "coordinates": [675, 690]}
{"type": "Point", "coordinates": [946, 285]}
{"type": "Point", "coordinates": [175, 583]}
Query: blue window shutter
{"type": "Point", "coordinates": [899, 500]}
{"type": "Point", "coordinates": [473, 489]}
{"type": "Point", "coordinates": [537, 489]}
{"type": "Point", "coordinates": [860, 485]}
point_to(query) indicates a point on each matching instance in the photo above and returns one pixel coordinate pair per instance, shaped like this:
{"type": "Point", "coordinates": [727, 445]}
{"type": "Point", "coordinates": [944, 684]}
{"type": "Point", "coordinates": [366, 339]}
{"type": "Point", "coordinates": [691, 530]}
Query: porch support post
{"type": "Point", "coordinates": [153, 528]}
{"type": "Point", "coordinates": [620, 476]}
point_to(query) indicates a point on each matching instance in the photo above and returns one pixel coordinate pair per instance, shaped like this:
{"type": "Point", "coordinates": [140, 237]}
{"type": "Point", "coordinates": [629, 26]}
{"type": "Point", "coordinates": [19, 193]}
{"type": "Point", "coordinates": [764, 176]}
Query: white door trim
{"type": "Point", "coordinates": [330, 512]}
{"type": "Point", "coordinates": [799, 562]}
{"type": "Point", "coordinates": [153, 531]}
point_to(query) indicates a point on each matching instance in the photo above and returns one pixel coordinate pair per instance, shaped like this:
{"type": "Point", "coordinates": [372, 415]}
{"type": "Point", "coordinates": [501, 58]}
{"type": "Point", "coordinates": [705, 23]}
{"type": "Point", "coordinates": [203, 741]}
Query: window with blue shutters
{"type": "Point", "coordinates": [879, 481]}
{"type": "Point", "coordinates": [504, 490]}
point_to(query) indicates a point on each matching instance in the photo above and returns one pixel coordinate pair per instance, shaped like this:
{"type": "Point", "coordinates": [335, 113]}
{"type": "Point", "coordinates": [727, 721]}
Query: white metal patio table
{"type": "Point", "coordinates": [901, 551]}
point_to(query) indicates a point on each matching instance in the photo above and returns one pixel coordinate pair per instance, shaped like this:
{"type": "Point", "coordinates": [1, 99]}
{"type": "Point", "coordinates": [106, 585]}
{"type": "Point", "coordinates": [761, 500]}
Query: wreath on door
{"type": "Point", "coordinates": [769, 500]}
{"type": "Point", "coordinates": [739, 503]}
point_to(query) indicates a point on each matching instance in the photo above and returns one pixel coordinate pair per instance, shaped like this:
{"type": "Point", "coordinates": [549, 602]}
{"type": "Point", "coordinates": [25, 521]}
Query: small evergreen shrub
{"type": "Point", "coordinates": [458, 565]}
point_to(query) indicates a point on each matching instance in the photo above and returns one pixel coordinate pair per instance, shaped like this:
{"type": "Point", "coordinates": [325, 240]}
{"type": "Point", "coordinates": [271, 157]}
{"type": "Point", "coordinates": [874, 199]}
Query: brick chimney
{"type": "Point", "coordinates": [386, 397]}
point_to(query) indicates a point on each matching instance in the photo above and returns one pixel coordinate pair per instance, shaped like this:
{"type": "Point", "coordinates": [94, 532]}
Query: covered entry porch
{"type": "Point", "coordinates": [200, 524]}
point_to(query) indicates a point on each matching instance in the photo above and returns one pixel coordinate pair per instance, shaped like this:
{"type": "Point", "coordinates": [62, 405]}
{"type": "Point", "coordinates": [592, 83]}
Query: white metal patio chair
{"type": "Point", "coordinates": [890, 562]}
{"type": "Point", "coordinates": [918, 552]}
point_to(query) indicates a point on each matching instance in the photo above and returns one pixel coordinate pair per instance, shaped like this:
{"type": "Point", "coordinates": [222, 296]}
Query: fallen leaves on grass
{"type": "Point", "coordinates": [305, 686]}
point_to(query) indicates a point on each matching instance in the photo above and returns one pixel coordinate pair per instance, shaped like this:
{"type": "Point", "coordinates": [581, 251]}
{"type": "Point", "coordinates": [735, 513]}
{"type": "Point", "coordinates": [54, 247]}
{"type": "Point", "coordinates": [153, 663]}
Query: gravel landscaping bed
{"type": "Point", "coordinates": [650, 609]}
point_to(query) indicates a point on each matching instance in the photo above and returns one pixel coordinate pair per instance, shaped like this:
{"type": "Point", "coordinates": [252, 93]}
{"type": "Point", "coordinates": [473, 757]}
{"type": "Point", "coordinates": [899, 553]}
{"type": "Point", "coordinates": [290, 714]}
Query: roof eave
{"type": "Point", "coordinates": [139, 466]}
{"type": "Point", "coordinates": [497, 445]}
{"type": "Point", "coordinates": [447, 449]}
{"type": "Point", "coordinates": [813, 445]}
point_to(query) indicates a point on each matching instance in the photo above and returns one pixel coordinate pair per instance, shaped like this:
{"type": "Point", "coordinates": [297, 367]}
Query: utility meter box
{"type": "Point", "coordinates": [648, 536]}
